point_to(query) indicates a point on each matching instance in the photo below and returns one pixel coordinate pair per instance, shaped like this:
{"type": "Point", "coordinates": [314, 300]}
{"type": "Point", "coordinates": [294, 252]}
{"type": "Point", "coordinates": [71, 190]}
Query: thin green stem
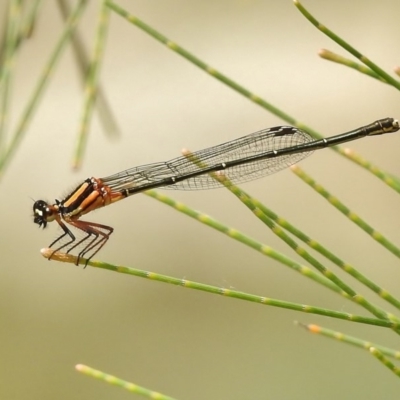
{"type": "Point", "coordinates": [331, 56]}
{"type": "Point", "coordinates": [248, 202]}
{"type": "Point", "coordinates": [237, 87]}
{"type": "Point", "coordinates": [26, 26]}
{"type": "Point", "coordinates": [25, 29]}
{"type": "Point", "coordinates": [105, 114]}
{"type": "Point", "coordinates": [199, 63]}
{"type": "Point", "coordinates": [29, 21]}
{"type": "Point", "coordinates": [379, 71]}
{"type": "Point", "coordinates": [364, 344]}
{"type": "Point", "coordinates": [388, 364]}
{"type": "Point", "coordinates": [7, 68]}
{"type": "Point", "coordinates": [234, 234]}
{"type": "Point", "coordinates": [392, 181]}
{"type": "Point", "coordinates": [354, 296]}
{"type": "Point", "coordinates": [351, 270]}
{"type": "Point", "coordinates": [68, 258]}
{"type": "Point", "coordinates": [38, 91]}
{"type": "Point", "coordinates": [315, 245]}
{"type": "Point", "coordinates": [129, 386]}
{"type": "Point", "coordinates": [92, 83]}
{"type": "Point", "coordinates": [377, 236]}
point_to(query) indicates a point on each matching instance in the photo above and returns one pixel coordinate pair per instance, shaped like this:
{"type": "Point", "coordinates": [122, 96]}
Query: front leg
{"type": "Point", "coordinates": [66, 232]}
{"type": "Point", "coordinates": [100, 238]}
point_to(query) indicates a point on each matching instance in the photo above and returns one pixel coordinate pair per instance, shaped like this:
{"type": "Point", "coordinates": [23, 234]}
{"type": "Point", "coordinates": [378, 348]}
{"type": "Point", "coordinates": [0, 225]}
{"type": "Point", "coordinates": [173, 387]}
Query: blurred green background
{"type": "Point", "coordinates": [188, 344]}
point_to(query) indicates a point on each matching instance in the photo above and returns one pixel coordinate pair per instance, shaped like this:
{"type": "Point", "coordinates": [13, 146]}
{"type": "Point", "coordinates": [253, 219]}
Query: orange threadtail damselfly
{"type": "Point", "coordinates": [250, 157]}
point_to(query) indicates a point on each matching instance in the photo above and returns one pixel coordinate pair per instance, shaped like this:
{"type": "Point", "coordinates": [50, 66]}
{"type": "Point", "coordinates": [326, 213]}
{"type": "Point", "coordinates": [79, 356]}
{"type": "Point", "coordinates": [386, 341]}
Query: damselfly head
{"type": "Point", "coordinates": [42, 213]}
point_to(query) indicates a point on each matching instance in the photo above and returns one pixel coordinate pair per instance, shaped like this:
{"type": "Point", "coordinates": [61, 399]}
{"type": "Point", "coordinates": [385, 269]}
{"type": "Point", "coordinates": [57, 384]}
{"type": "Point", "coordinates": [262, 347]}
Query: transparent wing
{"type": "Point", "coordinates": [253, 145]}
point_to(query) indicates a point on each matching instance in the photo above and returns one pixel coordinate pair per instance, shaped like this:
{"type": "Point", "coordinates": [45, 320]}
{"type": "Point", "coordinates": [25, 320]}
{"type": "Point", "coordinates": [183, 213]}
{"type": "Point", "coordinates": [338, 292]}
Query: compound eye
{"type": "Point", "coordinates": [42, 213]}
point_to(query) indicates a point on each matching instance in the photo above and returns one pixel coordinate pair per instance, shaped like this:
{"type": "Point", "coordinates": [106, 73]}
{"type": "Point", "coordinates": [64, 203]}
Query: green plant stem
{"type": "Point", "coordinates": [364, 344]}
{"type": "Point", "coordinates": [91, 84]}
{"type": "Point", "coordinates": [38, 91]}
{"type": "Point", "coordinates": [353, 295]}
{"type": "Point", "coordinates": [377, 236]}
{"type": "Point", "coordinates": [392, 181]}
{"type": "Point", "coordinates": [234, 234]}
{"type": "Point", "coordinates": [29, 21]}
{"type": "Point", "coordinates": [257, 207]}
{"type": "Point", "coordinates": [388, 364]}
{"type": "Point", "coordinates": [331, 56]}
{"type": "Point", "coordinates": [7, 68]}
{"type": "Point", "coordinates": [129, 386]}
{"type": "Point", "coordinates": [248, 202]}
{"type": "Point", "coordinates": [104, 113]}
{"type": "Point", "coordinates": [379, 71]}
{"type": "Point", "coordinates": [199, 63]}
{"type": "Point", "coordinates": [231, 83]}
{"type": "Point", "coordinates": [68, 258]}
{"type": "Point", "coordinates": [29, 15]}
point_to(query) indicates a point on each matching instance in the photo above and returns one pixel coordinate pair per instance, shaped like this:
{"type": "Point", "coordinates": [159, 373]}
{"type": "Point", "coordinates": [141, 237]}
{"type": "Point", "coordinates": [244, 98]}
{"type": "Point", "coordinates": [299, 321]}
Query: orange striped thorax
{"type": "Point", "coordinates": [90, 195]}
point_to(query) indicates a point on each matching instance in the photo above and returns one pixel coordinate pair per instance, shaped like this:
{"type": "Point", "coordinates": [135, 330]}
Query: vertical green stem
{"type": "Point", "coordinates": [39, 89]}
{"type": "Point", "coordinates": [104, 113]}
{"type": "Point", "coordinates": [91, 83]}
{"type": "Point", "coordinates": [13, 22]}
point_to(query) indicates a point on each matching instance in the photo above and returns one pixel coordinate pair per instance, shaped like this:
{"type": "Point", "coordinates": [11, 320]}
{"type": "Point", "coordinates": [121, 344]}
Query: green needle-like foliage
{"type": "Point", "coordinates": [18, 27]}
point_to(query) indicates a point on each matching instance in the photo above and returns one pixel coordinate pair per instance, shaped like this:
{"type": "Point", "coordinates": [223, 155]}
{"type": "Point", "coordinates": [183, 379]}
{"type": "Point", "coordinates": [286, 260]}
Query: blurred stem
{"type": "Point", "coordinates": [387, 363]}
{"type": "Point", "coordinates": [26, 27]}
{"type": "Point", "coordinates": [113, 380]}
{"type": "Point", "coordinates": [8, 63]}
{"type": "Point", "coordinates": [43, 80]}
{"type": "Point", "coordinates": [29, 22]}
{"type": "Point", "coordinates": [92, 83]}
{"type": "Point", "coordinates": [105, 113]}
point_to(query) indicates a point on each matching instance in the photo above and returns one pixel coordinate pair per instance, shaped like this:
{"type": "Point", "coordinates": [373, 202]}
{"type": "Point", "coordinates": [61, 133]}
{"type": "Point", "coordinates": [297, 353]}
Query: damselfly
{"type": "Point", "coordinates": [244, 159]}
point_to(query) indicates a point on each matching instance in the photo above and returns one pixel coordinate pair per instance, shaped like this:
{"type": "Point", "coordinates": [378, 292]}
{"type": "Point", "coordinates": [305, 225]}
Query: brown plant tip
{"type": "Point", "coordinates": [57, 256]}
